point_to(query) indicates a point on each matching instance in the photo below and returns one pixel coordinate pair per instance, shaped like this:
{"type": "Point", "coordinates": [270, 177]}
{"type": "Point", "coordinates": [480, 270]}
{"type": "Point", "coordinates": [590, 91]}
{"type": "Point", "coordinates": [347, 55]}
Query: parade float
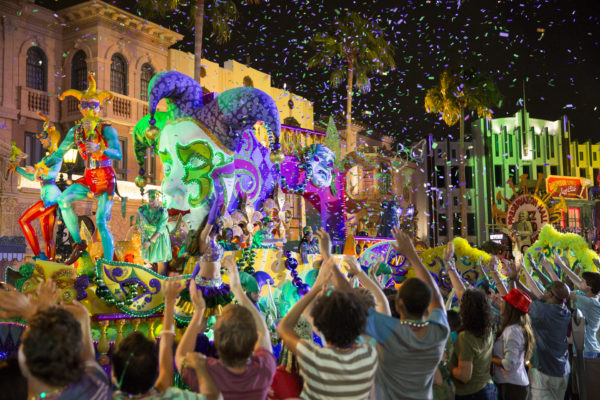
{"type": "Point", "coordinates": [223, 195]}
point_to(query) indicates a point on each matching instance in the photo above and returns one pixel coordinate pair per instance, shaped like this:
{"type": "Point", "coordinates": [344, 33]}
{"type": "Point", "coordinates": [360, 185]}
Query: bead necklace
{"type": "Point", "coordinates": [52, 394]}
{"type": "Point", "coordinates": [414, 324]}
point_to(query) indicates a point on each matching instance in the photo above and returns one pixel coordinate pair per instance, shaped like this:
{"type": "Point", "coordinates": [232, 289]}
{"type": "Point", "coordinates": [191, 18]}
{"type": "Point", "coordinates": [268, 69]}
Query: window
{"type": "Point", "coordinates": [118, 74]}
{"type": "Point", "coordinates": [442, 227]}
{"type": "Point", "coordinates": [79, 71]}
{"type": "Point", "coordinates": [146, 76]}
{"type": "Point", "coordinates": [551, 140]}
{"type": "Point", "coordinates": [512, 173]}
{"type": "Point", "coordinates": [248, 81]}
{"type": "Point", "coordinates": [469, 177]}
{"type": "Point", "coordinates": [596, 171]}
{"type": "Point", "coordinates": [581, 156]}
{"type": "Point", "coordinates": [33, 148]}
{"type": "Point", "coordinates": [497, 145]}
{"type": "Point", "coordinates": [582, 173]}
{"type": "Point", "coordinates": [498, 181]}
{"type": "Point", "coordinates": [441, 176]}
{"type": "Point", "coordinates": [454, 176]}
{"type": "Point", "coordinates": [527, 171]}
{"type": "Point", "coordinates": [538, 146]}
{"type": "Point", "coordinates": [120, 166]}
{"type": "Point", "coordinates": [540, 170]}
{"type": "Point", "coordinates": [511, 151]}
{"type": "Point", "coordinates": [469, 201]}
{"type": "Point", "coordinates": [455, 201]}
{"type": "Point", "coordinates": [553, 170]}
{"type": "Point", "coordinates": [471, 224]}
{"type": "Point", "coordinates": [36, 76]}
{"type": "Point", "coordinates": [595, 156]}
{"type": "Point", "coordinates": [453, 154]}
{"type": "Point", "coordinates": [574, 217]}
{"type": "Point", "coordinates": [456, 227]}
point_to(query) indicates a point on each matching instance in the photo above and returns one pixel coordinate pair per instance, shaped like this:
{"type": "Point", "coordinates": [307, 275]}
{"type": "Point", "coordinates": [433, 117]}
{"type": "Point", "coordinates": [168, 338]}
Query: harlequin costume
{"type": "Point", "coordinates": [99, 177]}
{"type": "Point", "coordinates": [45, 209]}
{"type": "Point", "coordinates": [152, 222]}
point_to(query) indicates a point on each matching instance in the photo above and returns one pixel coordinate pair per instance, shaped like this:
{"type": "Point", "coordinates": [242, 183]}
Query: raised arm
{"type": "Point", "coordinates": [568, 271]}
{"type": "Point", "coordinates": [26, 172]}
{"type": "Point", "coordinates": [88, 352]}
{"type": "Point", "coordinates": [493, 265]}
{"type": "Point", "coordinates": [288, 323]}
{"type": "Point", "coordinates": [404, 245]}
{"type": "Point", "coordinates": [264, 337]}
{"type": "Point", "coordinates": [167, 336]}
{"type": "Point", "coordinates": [531, 285]}
{"type": "Point", "coordinates": [65, 145]}
{"type": "Point", "coordinates": [353, 267]}
{"type": "Point", "coordinates": [188, 340]}
{"type": "Point", "coordinates": [547, 267]}
{"type": "Point", "coordinates": [457, 284]}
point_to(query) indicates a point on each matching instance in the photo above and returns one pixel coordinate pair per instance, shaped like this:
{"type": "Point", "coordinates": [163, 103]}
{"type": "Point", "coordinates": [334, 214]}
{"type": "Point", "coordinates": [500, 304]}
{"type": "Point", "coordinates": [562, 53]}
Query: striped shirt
{"type": "Point", "coordinates": [333, 374]}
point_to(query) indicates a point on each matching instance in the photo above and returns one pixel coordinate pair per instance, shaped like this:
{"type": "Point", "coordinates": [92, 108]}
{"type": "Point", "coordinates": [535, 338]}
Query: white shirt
{"type": "Point", "coordinates": [510, 347]}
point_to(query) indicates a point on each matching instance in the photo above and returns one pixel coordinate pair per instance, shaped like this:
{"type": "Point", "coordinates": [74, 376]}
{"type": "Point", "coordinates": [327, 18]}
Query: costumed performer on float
{"type": "Point", "coordinates": [308, 244]}
{"type": "Point", "coordinates": [45, 209]}
{"type": "Point", "coordinates": [207, 273]}
{"type": "Point", "coordinates": [151, 220]}
{"type": "Point", "coordinates": [98, 144]}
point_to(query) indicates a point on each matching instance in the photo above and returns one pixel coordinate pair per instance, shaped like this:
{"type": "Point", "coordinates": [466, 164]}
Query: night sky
{"type": "Point", "coordinates": [552, 45]}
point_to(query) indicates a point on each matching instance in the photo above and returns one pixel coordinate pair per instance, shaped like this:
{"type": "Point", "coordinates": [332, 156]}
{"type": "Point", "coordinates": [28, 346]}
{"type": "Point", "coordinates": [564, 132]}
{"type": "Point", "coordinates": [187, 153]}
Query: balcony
{"type": "Point", "coordinates": [30, 101]}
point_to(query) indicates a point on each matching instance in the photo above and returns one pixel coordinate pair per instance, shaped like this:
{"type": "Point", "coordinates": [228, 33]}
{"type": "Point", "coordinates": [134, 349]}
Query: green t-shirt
{"type": "Point", "coordinates": [468, 347]}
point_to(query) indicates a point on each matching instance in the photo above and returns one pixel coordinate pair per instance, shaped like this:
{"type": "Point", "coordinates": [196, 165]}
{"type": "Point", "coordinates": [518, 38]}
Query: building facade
{"type": "Point", "coordinates": [505, 157]}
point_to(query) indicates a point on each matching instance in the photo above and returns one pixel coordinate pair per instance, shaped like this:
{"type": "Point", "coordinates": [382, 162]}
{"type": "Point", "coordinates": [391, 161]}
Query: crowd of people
{"type": "Point", "coordinates": [508, 336]}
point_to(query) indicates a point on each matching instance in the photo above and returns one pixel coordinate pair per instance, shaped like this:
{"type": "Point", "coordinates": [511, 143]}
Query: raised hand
{"type": "Point", "coordinates": [171, 291]}
{"type": "Point", "coordinates": [196, 297]}
{"type": "Point", "coordinates": [47, 295]}
{"type": "Point", "coordinates": [403, 243]}
{"type": "Point", "coordinates": [15, 304]}
{"type": "Point", "coordinates": [232, 272]}
{"type": "Point", "coordinates": [195, 361]}
{"type": "Point", "coordinates": [449, 252]}
{"type": "Point", "coordinates": [351, 265]}
{"type": "Point", "coordinates": [324, 243]}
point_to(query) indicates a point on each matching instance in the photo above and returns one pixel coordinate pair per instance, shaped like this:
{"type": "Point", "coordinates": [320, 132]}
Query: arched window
{"type": "Point", "coordinates": [147, 74]}
{"type": "Point", "coordinates": [37, 69]}
{"type": "Point", "coordinates": [248, 81]}
{"type": "Point", "coordinates": [118, 74]}
{"type": "Point", "coordinates": [79, 71]}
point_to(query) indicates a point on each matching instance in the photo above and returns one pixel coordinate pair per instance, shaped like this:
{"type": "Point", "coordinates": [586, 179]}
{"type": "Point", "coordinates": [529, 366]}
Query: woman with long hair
{"type": "Point", "coordinates": [513, 347]}
{"type": "Point", "coordinates": [470, 362]}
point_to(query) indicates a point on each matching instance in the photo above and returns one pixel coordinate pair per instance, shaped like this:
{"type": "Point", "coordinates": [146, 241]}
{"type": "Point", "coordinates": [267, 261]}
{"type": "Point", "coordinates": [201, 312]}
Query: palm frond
{"type": "Point", "coordinates": [222, 14]}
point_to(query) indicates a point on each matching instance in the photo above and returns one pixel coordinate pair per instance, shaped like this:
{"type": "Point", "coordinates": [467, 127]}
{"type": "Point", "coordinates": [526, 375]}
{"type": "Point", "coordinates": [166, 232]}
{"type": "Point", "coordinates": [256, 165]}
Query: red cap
{"type": "Point", "coordinates": [518, 300]}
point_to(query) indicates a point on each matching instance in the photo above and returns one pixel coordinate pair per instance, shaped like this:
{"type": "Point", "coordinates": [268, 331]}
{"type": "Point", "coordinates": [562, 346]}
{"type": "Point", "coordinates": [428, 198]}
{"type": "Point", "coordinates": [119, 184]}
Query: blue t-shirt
{"type": "Point", "coordinates": [590, 308]}
{"type": "Point", "coordinates": [407, 363]}
{"type": "Point", "coordinates": [550, 323]}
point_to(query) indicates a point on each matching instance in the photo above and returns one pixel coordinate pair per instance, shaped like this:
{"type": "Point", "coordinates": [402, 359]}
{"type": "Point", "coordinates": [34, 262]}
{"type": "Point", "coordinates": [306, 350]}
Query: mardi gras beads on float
{"type": "Point", "coordinates": [291, 264]}
{"type": "Point", "coordinates": [246, 262]}
{"type": "Point", "coordinates": [300, 189]}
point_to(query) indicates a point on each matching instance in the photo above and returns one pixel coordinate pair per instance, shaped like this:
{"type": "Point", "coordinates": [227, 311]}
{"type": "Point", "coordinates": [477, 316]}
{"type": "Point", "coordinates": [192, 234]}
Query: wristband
{"type": "Point", "coordinates": [167, 331]}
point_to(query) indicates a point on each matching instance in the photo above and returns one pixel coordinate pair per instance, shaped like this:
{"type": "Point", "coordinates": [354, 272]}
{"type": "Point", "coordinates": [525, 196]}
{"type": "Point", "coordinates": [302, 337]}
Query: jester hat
{"type": "Point", "coordinates": [90, 94]}
{"type": "Point", "coordinates": [225, 116]}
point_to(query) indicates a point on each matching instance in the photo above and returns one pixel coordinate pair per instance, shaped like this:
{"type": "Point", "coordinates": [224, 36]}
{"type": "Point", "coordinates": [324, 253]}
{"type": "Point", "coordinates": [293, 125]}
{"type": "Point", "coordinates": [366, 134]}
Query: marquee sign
{"type": "Point", "coordinates": [567, 186]}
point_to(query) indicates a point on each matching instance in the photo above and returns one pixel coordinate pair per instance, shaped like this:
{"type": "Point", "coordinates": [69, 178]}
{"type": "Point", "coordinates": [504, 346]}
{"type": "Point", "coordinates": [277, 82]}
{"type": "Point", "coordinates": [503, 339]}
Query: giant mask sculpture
{"type": "Point", "coordinates": [319, 159]}
{"type": "Point", "coordinates": [197, 138]}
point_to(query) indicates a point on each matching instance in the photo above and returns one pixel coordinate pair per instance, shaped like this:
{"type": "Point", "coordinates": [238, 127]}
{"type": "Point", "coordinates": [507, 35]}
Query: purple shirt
{"type": "Point", "coordinates": [252, 384]}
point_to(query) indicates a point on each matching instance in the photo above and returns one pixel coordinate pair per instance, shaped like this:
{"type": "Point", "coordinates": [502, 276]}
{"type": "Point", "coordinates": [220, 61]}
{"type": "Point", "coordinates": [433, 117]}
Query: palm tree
{"type": "Point", "coordinates": [361, 47]}
{"type": "Point", "coordinates": [462, 90]}
{"type": "Point", "coordinates": [222, 14]}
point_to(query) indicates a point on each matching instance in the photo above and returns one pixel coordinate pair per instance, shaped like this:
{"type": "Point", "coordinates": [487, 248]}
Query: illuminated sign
{"type": "Point", "coordinates": [567, 187]}
{"type": "Point", "coordinates": [526, 216]}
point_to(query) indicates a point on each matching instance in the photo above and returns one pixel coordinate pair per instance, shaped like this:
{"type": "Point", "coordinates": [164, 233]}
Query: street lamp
{"type": "Point", "coordinates": [70, 158]}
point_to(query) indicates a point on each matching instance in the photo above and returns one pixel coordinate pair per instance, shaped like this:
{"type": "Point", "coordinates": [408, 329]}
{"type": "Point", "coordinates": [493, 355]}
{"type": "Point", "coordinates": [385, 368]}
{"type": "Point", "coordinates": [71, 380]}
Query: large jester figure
{"type": "Point", "coordinates": [45, 209]}
{"type": "Point", "coordinates": [98, 144]}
